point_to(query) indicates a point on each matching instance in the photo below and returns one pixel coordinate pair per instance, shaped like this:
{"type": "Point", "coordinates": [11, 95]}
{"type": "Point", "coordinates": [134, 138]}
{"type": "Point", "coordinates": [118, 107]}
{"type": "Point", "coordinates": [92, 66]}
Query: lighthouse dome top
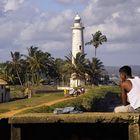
{"type": "Point", "coordinates": [77, 18]}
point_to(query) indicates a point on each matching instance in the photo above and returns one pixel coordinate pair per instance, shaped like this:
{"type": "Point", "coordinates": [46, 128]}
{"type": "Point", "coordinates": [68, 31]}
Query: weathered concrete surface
{"type": "Point", "coordinates": [130, 118]}
{"type": "Point", "coordinates": [134, 132]}
{"type": "Point", "coordinates": [15, 132]}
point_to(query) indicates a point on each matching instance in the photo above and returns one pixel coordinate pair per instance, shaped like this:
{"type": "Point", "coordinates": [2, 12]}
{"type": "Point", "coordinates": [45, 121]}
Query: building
{"type": "Point", "coordinates": [4, 91]}
{"type": "Point", "coordinates": [77, 46]}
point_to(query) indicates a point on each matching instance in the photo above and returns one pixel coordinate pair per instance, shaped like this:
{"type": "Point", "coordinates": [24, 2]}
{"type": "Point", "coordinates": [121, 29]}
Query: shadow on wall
{"type": "Point", "coordinates": [4, 129]}
{"type": "Point", "coordinates": [84, 131]}
{"type": "Point", "coordinates": [106, 104]}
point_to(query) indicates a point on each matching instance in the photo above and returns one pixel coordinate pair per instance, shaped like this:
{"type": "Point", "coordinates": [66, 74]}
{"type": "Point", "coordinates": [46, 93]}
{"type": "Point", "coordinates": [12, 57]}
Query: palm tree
{"type": "Point", "coordinates": [94, 70]}
{"type": "Point", "coordinates": [15, 65]}
{"type": "Point", "coordinates": [63, 71]}
{"type": "Point", "coordinates": [97, 39]}
{"type": "Point", "coordinates": [78, 68]}
{"type": "Point", "coordinates": [33, 60]}
{"type": "Point", "coordinates": [6, 72]}
{"type": "Point", "coordinates": [39, 63]}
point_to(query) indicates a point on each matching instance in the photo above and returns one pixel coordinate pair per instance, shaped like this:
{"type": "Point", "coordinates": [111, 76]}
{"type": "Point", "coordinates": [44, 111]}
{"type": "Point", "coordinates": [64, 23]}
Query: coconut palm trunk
{"type": "Point", "coordinates": [19, 78]}
{"type": "Point", "coordinates": [95, 52]}
{"type": "Point", "coordinates": [16, 65]}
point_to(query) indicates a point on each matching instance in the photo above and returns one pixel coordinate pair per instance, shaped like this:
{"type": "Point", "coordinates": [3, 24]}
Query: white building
{"type": "Point", "coordinates": [4, 91]}
{"type": "Point", "coordinates": [77, 46]}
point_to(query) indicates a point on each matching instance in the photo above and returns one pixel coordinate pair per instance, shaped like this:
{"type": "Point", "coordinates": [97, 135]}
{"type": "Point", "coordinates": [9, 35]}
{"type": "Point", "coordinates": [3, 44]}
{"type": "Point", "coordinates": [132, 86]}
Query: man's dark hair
{"type": "Point", "coordinates": [126, 69]}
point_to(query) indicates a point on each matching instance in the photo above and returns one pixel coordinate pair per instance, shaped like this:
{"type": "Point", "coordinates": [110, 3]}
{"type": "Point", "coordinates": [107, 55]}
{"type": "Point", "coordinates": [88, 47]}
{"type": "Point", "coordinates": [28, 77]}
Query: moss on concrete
{"type": "Point", "coordinates": [75, 118]}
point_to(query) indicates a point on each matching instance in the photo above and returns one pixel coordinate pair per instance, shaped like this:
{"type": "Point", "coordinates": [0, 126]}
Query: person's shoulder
{"type": "Point", "coordinates": [126, 83]}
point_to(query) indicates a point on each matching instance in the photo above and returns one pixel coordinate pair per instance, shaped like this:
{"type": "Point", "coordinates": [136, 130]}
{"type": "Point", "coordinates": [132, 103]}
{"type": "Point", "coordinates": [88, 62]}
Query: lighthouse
{"type": "Point", "coordinates": [77, 46]}
{"type": "Point", "coordinates": [77, 37]}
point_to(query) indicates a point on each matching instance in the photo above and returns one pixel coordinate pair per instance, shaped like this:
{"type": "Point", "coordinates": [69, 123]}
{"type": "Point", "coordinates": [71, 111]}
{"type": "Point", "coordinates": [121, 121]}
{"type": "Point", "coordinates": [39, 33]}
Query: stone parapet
{"type": "Point", "coordinates": [131, 120]}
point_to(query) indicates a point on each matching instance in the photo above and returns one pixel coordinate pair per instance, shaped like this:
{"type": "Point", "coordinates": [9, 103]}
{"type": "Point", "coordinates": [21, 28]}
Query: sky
{"type": "Point", "coordinates": [47, 24]}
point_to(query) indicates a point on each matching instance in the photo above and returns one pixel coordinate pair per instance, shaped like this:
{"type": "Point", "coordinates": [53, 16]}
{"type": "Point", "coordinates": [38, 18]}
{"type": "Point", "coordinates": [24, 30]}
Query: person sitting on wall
{"type": "Point", "coordinates": [130, 95]}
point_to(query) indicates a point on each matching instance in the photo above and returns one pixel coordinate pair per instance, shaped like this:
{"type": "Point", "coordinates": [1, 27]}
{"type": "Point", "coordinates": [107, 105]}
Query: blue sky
{"type": "Point", "coordinates": [47, 25]}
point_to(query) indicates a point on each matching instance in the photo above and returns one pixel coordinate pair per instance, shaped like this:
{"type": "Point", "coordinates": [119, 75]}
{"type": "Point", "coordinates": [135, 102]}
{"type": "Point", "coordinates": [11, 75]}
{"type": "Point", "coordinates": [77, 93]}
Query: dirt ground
{"type": "Point", "coordinates": [11, 113]}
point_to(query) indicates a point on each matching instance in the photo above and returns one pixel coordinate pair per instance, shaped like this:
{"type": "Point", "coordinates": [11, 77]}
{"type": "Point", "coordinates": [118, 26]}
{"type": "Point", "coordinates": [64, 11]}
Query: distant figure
{"type": "Point", "coordinates": [82, 90]}
{"type": "Point", "coordinates": [65, 93]}
{"type": "Point", "coordinates": [79, 91]}
{"type": "Point", "coordinates": [72, 92]}
{"type": "Point", "coordinates": [130, 95]}
{"type": "Point", "coordinates": [28, 92]}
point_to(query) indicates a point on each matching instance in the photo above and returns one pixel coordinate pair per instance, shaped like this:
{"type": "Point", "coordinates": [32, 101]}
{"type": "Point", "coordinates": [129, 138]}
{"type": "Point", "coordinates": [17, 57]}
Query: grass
{"type": "Point", "coordinates": [18, 91]}
{"type": "Point", "coordinates": [84, 102]}
{"type": "Point", "coordinates": [35, 100]}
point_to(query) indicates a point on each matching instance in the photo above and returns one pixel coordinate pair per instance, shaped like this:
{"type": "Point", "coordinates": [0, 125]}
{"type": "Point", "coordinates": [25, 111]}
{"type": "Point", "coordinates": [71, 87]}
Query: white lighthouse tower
{"type": "Point", "coordinates": [77, 46]}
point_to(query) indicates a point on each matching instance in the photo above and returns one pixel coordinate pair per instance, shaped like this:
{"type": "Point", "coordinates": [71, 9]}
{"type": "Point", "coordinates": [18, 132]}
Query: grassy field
{"type": "Point", "coordinates": [35, 100]}
{"type": "Point", "coordinates": [88, 102]}
{"type": "Point", "coordinates": [84, 102]}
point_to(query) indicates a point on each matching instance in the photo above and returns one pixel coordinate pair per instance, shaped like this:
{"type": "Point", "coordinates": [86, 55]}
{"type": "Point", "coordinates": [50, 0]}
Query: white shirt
{"type": "Point", "coordinates": [134, 93]}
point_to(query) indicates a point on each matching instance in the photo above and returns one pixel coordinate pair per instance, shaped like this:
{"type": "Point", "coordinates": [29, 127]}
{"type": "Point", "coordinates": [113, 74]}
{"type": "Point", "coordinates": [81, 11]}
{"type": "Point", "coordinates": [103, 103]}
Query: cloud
{"type": "Point", "coordinates": [45, 30]}
{"type": "Point", "coordinates": [119, 22]}
{"type": "Point", "coordinates": [138, 10]}
{"type": "Point", "coordinates": [65, 1]}
{"type": "Point", "coordinates": [71, 1]}
{"type": "Point", "coordinates": [12, 5]}
{"type": "Point", "coordinates": [22, 25]}
{"type": "Point", "coordinates": [110, 3]}
{"type": "Point", "coordinates": [28, 26]}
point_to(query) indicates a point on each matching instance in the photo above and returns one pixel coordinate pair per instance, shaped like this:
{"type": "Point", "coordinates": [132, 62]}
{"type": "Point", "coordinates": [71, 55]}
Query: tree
{"type": "Point", "coordinates": [77, 69]}
{"type": "Point", "coordinates": [63, 74]}
{"type": "Point", "coordinates": [40, 65]}
{"type": "Point", "coordinates": [97, 39]}
{"type": "Point", "coordinates": [34, 64]}
{"type": "Point", "coordinates": [94, 70]}
{"type": "Point", "coordinates": [15, 65]}
{"type": "Point", "coordinates": [5, 72]}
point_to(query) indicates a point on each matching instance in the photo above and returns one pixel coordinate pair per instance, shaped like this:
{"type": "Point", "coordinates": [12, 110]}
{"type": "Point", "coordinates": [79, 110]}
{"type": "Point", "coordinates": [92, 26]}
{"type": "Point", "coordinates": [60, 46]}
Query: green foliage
{"type": "Point", "coordinates": [40, 109]}
{"type": "Point", "coordinates": [94, 70]}
{"type": "Point", "coordinates": [33, 68]}
{"type": "Point", "coordinates": [62, 70]}
{"type": "Point", "coordinates": [84, 102]}
{"type": "Point", "coordinates": [83, 68]}
{"type": "Point", "coordinates": [78, 67]}
{"type": "Point", "coordinates": [11, 72]}
{"type": "Point", "coordinates": [38, 67]}
{"type": "Point", "coordinates": [97, 39]}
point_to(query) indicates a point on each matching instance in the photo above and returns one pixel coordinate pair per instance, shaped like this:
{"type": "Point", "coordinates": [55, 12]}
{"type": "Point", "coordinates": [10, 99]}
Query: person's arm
{"type": "Point", "coordinates": [124, 95]}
